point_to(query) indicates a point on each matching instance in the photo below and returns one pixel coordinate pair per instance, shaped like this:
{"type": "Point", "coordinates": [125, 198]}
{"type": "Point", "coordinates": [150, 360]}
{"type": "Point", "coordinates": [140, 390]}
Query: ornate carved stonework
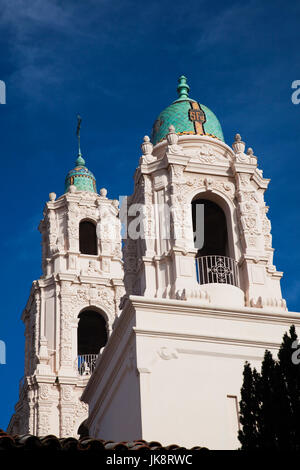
{"type": "Point", "coordinates": [70, 283]}
{"type": "Point", "coordinates": [44, 424]}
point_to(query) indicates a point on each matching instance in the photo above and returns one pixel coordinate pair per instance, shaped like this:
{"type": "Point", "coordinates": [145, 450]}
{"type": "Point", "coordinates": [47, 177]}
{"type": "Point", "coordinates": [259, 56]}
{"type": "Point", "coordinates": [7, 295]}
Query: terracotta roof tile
{"type": "Point", "coordinates": [85, 444]}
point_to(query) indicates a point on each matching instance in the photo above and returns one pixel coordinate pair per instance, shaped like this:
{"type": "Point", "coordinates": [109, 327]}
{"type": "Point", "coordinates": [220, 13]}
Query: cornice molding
{"type": "Point", "coordinates": [182, 307]}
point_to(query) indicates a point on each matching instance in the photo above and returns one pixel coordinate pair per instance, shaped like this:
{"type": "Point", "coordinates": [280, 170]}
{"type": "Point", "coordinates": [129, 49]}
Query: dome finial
{"type": "Point", "coordinates": [80, 178]}
{"type": "Point", "coordinates": [80, 161]}
{"type": "Point", "coordinates": [183, 88]}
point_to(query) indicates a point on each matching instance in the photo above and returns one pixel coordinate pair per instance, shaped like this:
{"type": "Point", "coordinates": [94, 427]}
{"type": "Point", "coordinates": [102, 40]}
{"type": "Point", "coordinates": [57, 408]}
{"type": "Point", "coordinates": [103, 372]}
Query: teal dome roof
{"type": "Point", "coordinates": [187, 116]}
{"type": "Point", "coordinates": [81, 177]}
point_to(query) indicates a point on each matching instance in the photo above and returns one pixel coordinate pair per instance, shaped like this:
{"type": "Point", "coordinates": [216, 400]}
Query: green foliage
{"type": "Point", "coordinates": [270, 400]}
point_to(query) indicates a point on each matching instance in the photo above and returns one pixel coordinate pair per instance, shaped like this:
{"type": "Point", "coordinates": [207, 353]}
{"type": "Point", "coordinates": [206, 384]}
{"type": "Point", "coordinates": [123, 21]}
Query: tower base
{"type": "Point", "coordinates": [172, 371]}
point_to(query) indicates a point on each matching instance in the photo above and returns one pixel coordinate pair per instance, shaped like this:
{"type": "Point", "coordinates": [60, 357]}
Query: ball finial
{"type": "Point", "coordinates": [80, 161]}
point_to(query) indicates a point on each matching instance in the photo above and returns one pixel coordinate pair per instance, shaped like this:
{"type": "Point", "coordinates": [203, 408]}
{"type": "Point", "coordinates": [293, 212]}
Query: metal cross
{"type": "Point", "coordinates": [78, 132]}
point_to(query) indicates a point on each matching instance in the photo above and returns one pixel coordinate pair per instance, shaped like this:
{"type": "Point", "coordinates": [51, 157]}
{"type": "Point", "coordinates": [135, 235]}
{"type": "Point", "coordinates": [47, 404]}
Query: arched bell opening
{"type": "Point", "coordinates": [215, 262]}
{"type": "Point", "coordinates": [92, 335]}
{"type": "Point", "coordinates": [210, 228]}
{"type": "Point", "coordinates": [88, 244]}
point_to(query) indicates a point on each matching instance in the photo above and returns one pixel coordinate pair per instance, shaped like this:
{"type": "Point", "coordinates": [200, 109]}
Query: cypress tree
{"type": "Point", "coordinates": [266, 397]}
{"type": "Point", "coordinates": [290, 373]}
{"type": "Point", "coordinates": [270, 400]}
{"type": "Point", "coordinates": [248, 436]}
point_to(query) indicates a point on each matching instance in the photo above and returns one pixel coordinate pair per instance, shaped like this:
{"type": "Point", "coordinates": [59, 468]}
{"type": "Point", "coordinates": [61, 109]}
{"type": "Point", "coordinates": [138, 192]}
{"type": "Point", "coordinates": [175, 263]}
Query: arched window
{"type": "Point", "coordinates": [88, 238]}
{"type": "Point", "coordinates": [215, 240]}
{"type": "Point", "coordinates": [91, 337]}
{"type": "Point", "coordinates": [91, 333]}
{"type": "Point", "coordinates": [213, 264]}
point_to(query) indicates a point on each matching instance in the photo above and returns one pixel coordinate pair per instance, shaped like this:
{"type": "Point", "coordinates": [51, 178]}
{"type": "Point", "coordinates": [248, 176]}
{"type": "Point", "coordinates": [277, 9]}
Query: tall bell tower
{"type": "Point", "coordinates": [202, 292]}
{"type": "Point", "coordinates": [71, 308]}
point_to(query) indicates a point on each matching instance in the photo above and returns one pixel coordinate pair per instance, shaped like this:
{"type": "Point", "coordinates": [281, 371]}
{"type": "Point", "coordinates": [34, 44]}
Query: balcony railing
{"type": "Point", "coordinates": [217, 269]}
{"type": "Point", "coordinates": [86, 363]}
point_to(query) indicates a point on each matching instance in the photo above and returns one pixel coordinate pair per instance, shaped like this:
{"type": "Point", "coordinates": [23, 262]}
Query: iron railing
{"type": "Point", "coordinates": [86, 363]}
{"type": "Point", "coordinates": [217, 269]}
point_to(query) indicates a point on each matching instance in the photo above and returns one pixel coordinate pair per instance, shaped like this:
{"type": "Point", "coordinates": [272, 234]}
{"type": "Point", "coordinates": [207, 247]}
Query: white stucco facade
{"type": "Point", "coordinates": [180, 324]}
{"type": "Point", "coordinates": [172, 369]}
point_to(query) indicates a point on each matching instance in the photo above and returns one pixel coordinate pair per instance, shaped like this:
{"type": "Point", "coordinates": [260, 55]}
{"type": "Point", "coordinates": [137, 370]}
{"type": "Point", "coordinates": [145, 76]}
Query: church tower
{"type": "Point", "coordinates": [72, 307]}
{"type": "Point", "coordinates": [202, 292]}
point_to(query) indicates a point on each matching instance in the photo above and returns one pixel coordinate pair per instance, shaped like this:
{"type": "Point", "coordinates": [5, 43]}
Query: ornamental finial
{"type": "Point", "coordinates": [183, 88]}
{"type": "Point", "coordinates": [238, 145]}
{"type": "Point", "coordinates": [147, 146]}
{"type": "Point", "coordinates": [80, 161]}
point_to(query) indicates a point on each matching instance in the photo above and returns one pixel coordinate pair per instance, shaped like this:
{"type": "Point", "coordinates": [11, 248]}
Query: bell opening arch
{"type": "Point", "coordinates": [88, 241]}
{"type": "Point", "coordinates": [218, 211]}
{"type": "Point", "coordinates": [92, 335]}
{"type": "Point", "coordinates": [209, 228]}
{"type": "Point", "coordinates": [215, 238]}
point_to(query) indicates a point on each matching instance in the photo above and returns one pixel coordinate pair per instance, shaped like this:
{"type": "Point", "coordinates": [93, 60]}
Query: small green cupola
{"type": "Point", "coordinates": [80, 176]}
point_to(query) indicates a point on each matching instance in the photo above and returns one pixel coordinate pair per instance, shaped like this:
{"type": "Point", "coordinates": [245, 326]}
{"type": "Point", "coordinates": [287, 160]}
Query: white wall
{"type": "Point", "coordinates": [188, 371]}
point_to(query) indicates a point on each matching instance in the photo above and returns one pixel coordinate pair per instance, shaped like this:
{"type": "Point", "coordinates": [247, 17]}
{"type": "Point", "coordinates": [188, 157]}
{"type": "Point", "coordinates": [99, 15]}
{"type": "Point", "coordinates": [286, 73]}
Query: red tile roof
{"type": "Point", "coordinates": [30, 442]}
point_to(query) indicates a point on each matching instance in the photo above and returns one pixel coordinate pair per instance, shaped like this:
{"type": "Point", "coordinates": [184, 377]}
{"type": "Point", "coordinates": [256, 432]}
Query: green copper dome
{"type": "Point", "coordinates": [187, 116]}
{"type": "Point", "coordinates": [81, 177]}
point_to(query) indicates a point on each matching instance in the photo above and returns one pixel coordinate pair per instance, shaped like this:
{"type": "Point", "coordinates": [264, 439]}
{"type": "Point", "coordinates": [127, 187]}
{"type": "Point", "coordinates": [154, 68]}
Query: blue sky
{"type": "Point", "coordinates": [117, 63]}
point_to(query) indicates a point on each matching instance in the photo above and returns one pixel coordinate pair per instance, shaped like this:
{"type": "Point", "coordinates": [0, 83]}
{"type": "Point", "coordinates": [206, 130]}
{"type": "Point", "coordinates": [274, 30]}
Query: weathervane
{"type": "Point", "coordinates": [78, 133]}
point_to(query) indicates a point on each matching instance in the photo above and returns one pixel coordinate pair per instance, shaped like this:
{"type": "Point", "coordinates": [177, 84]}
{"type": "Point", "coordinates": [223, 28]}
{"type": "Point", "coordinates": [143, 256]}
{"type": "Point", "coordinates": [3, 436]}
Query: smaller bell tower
{"type": "Point", "coordinates": [72, 307]}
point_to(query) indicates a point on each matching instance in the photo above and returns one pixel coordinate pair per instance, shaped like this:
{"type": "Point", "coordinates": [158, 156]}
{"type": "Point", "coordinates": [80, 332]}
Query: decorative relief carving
{"type": "Point", "coordinates": [208, 154]}
{"type": "Point", "coordinates": [250, 225]}
{"type": "Point", "coordinates": [92, 269]}
{"type": "Point", "coordinates": [81, 409]}
{"type": "Point", "coordinates": [205, 150]}
{"type": "Point", "coordinates": [43, 424]}
{"type": "Point", "coordinates": [44, 392]}
{"type": "Point", "coordinates": [66, 353]}
{"type": "Point", "coordinates": [209, 183]}
{"type": "Point", "coordinates": [67, 393]}
{"type": "Point", "coordinates": [87, 197]}
{"type": "Point", "coordinates": [209, 159]}
{"type": "Point", "coordinates": [250, 210]}
{"type": "Point", "coordinates": [166, 353]}
{"type": "Point", "coordinates": [106, 297]}
{"type": "Point", "coordinates": [67, 425]}
{"type": "Point", "coordinates": [177, 172]}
